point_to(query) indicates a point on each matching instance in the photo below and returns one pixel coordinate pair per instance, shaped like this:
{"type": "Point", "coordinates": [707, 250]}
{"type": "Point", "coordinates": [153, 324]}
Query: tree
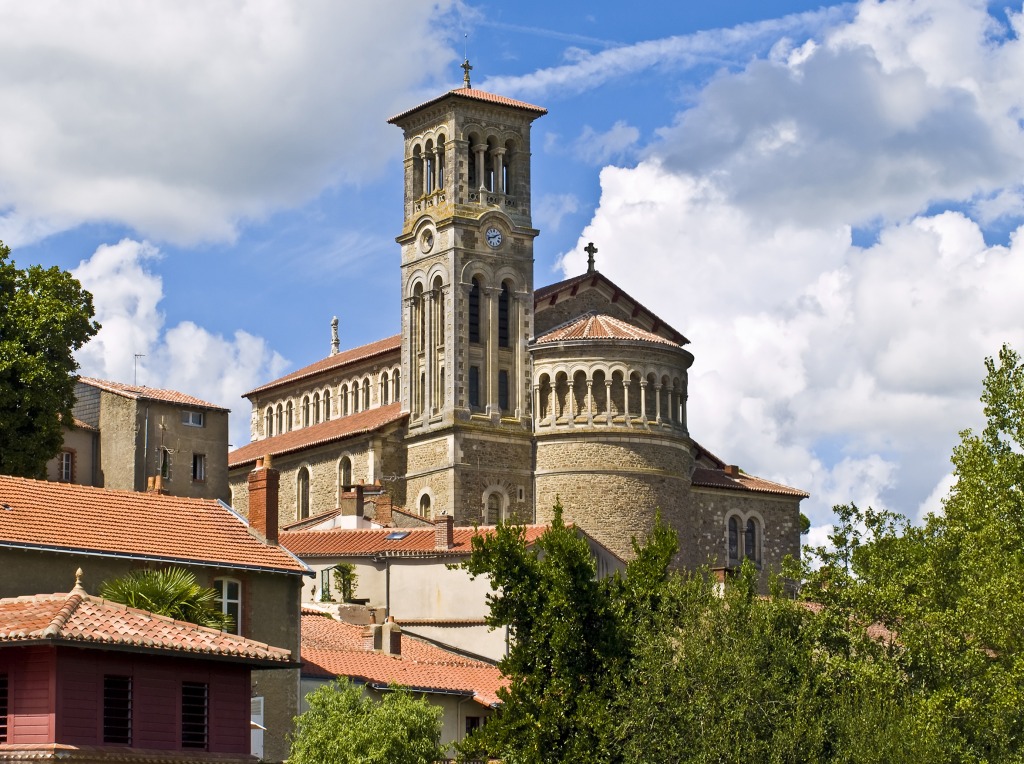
{"type": "Point", "coordinates": [345, 580]}
{"type": "Point", "coordinates": [45, 316]}
{"type": "Point", "coordinates": [344, 726]}
{"type": "Point", "coordinates": [173, 592]}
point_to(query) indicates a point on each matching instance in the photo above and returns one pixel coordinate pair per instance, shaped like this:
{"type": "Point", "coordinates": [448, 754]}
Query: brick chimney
{"type": "Point", "coordinates": [444, 532]}
{"type": "Point", "coordinates": [372, 633]}
{"type": "Point", "coordinates": [359, 500]}
{"type": "Point", "coordinates": [391, 638]}
{"type": "Point", "coordinates": [264, 482]}
{"type": "Point", "coordinates": [731, 470]}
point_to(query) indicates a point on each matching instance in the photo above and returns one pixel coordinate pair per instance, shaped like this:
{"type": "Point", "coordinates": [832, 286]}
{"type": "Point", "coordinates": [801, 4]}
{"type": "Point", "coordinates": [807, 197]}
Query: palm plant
{"type": "Point", "coordinates": [173, 592]}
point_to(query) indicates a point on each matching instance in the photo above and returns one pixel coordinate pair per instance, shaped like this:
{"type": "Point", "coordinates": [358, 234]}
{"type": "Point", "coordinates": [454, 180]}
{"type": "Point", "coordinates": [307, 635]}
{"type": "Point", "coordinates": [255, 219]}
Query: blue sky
{"type": "Point", "coordinates": [823, 198]}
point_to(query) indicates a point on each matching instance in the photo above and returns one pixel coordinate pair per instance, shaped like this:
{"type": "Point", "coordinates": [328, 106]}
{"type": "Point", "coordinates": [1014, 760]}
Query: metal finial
{"type": "Point", "coordinates": [466, 68]}
{"type": "Point", "coordinates": [335, 342]}
{"type": "Point", "coordinates": [591, 250]}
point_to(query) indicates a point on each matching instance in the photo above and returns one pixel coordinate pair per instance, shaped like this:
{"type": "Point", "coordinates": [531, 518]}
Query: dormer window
{"type": "Point", "coordinates": [192, 418]}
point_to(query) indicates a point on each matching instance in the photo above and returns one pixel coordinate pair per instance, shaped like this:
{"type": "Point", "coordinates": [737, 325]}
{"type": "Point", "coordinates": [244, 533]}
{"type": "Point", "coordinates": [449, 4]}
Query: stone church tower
{"type": "Point", "coordinates": [467, 300]}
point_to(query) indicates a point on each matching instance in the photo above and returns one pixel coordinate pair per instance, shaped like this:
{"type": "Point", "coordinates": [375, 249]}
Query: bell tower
{"type": "Point", "coordinates": [467, 300]}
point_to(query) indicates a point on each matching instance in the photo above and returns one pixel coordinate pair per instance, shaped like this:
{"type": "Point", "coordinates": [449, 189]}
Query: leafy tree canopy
{"type": "Point", "coordinates": [173, 592]}
{"type": "Point", "coordinates": [45, 316]}
{"type": "Point", "coordinates": [344, 726]}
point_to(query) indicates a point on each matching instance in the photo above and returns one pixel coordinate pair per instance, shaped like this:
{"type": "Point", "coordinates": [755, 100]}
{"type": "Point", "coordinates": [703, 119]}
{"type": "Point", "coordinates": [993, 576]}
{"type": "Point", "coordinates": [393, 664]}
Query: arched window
{"type": "Point", "coordinates": [396, 385]}
{"type": "Point", "coordinates": [503, 309]}
{"type": "Point", "coordinates": [493, 516]}
{"type": "Point", "coordinates": [503, 391]}
{"type": "Point", "coordinates": [280, 418]}
{"type": "Point", "coordinates": [366, 393]}
{"type": "Point", "coordinates": [345, 473]}
{"type": "Point", "coordinates": [474, 312]}
{"type": "Point", "coordinates": [229, 601]}
{"type": "Point", "coordinates": [355, 397]}
{"type": "Point", "coordinates": [344, 400]}
{"type": "Point", "coordinates": [302, 484]}
{"type": "Point", "coordinates": [289, 416]}
{"type": "Point", "coordinates": [327, 405]}
{"type": "Point", "coordinates": [440, 162]}
{"type": "Point", "coordinates": [750, 541]}
{"type": "Point", "coordinates": [734, 540]}
{"type": "Point", "coordinates": [316, 408]}
{"type": "Point", "coordinates": [385, 389]}
{"type": "Point", "coordinates": [425, 505]}
{"type": "Point", "coordinates": [419, 320]}
{"type": "Point", "coordinates": [268, 423]}
{"type": "Point", "coordinates": [305, 411]}
{"type": "Point", "coordinates": [474, 387]}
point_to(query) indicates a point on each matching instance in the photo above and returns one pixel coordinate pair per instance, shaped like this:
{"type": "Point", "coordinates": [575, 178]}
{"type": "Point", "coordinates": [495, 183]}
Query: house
{"type": "Point", "coordinates": [408, 574]}
{"type": "Point", "coordinates": [125, 435]}
{"type": "Point", "coordinates": [83, 679]}
{"type": "Point", "coordinates": [48, 530]}
{"type": "Point", "coordinates": [379, 655]}
{"type": "Point", "coordinates": [497, 398]}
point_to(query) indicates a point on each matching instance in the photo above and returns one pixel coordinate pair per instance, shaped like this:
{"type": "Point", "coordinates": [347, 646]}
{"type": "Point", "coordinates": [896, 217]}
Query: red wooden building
{"type": "Point", "coordinates": [86, 680]}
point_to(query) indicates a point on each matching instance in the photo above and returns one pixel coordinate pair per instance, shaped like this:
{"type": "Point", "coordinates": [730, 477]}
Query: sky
{"type": "Point", "coordinates": [827, 200]}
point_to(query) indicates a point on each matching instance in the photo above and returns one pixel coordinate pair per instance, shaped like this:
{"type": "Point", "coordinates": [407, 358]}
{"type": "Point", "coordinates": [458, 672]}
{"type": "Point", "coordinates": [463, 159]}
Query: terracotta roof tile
{"type": "Point", "coordinates": [318, 434]}
{"type": "Point", "coordinates": [140, 392]}
{"type": "Point", "coordinates": [334, 648]}
{"type": "Point", "coordinates": [600, 326]}
{"type": "Point", "coordinates": [63, 517]}
{"type": "Point", "coordinates": [361, 353]}
{"type": "Point", "coordinates": [79, 619]}
{"type": "Point", "coordinates": [78, 424]}
{"type": "Point", "coordinates": [552, 293]}
{"type": "Point", "coordinates": [473, 94]}
{"type": "Point", "coordinates": [710, 478]}
{"type": "Point", "coordinates": [363, 542]}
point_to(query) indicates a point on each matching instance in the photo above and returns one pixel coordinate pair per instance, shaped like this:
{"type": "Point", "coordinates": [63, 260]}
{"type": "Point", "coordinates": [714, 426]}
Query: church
{"type": "Point", "coordinates": [500, 398]}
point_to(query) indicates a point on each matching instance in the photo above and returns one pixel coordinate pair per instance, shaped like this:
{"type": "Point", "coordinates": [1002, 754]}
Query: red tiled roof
{"type": "Point", "coordinates": [705, 477]}
{"type": "Point", "coordinates": [600, 326]}
{"type": "Point", "coordinates": [333, 648]}
{"type": "Point", "coordinates": [318, 434]}
{"type": "Point", "coordinates": [552, 292]}
{"type": "Point", "coordinates": [78, 424]}
{"type": "Point", "coordinates": [140, 392]}
{"type": "Point", "coordinates": [361, 542]}
{"type": "Point", "coordinates": [361, 353]}
{"type": "Point", "coordinates": [64, 517]}
{"type": "Point", "coordinates": [473, 94]}
{"type": "Point", "coordinates": [76, 618]}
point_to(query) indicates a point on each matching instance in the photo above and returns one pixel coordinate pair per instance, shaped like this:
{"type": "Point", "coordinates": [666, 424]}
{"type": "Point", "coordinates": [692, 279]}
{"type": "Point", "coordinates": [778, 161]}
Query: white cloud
{"type": "Point", "coordinates": [184, 357]}
{"type": "Point", "coordinates": [600, 148]}
{"type": "Point", "coordinates": [551, 208]}
{"type": "Point", "coordinates": [183, 119]}
{"type": "Point", "coordinates": [844, 370]}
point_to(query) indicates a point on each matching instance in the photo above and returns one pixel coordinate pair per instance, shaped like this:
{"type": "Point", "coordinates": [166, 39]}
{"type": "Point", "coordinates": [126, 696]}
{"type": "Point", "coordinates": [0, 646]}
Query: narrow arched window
{"type": "Point", "coordinates": [734, 540]}
{"type": "Point", "coordinates": [305, 411]}
{"type": "Point", "coordinates": [750, 541]}
{"type": "Point", "coordinates": [344, 400]}
{"type": "Point", "coordinates": [280, 418]}
{"type": "Point", "coordinates": [385, 389]}
{"type": "Point", "coordinates": [474, 387]}
{"type": "Point", "coordinates": [327, 405]}
{"type": "Point", "coordinates": [425, 505]}
{"type": "Point", "coordinates": [474, 312]}
{"type": "Point", "coordinates": [268, 423]}
{"type": "Point", "coordinates": [316, 408]}
{"type": "Point", "coordinates": [366, 393]}
{"type": "Point", "coordinates": [504, 300]}
{"type": "Point", "coordinates": [345, 473]}
{"type": "Point", "coordinates": [396, 385]}
{"type": "Point", "coordinates": [503, 391]}
{"type": "Point", "coordinates": [289, 416]}
{"type": "Point", "coordinates": [303, 491]}
{"type": "Point", "coordinates": [493, 509]}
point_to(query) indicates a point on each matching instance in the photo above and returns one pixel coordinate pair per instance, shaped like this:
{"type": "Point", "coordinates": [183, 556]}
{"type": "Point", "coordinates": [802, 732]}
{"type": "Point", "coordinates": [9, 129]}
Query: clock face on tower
{"type": "Point", "coordinates": [493, 238]}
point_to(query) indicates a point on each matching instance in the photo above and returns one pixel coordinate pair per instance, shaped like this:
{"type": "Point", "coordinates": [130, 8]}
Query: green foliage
{"type": "Point", "coordinates": [45, 316]}
{"type": "Point", "coordinates": [345, 580]}
{"type": "Point", "coordinates": [173, 592]}
{"type": "Point", "coordinates": [343, 726]}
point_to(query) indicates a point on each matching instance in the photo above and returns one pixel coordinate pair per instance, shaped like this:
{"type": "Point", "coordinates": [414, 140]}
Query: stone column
{"type": "Point", "coordinates": [643, 400]}
{"type": "Point", "coordinates": [657, 402]}
{"type": "Point", "coordinates": [429, 353]}
{"type": "Point", "coordinates": [590, 401]}
{"type": "Point", "coordinates": [608, 397]}
{"type": "Point", "coordinates": [492, 348]}
{"type": "Point", "coordinates": [497, 163]}
{"type": "Point", "coordinates": [479, 150]}
{"type": "Point", "coordinates": [625, 398]}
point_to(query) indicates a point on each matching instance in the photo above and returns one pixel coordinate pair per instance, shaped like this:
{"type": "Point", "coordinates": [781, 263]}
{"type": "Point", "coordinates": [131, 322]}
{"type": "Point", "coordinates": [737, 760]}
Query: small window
{"type": "Point", "coordinates": [345, 470]}
{"type": "Point", "coordinates": [192, 418]}
{"type": "Point", "coordinates": [289, 416]}
{"type": "Point", "coordinates": [327, 405]}
{"type": "Point", "coordinates": [425, 505]}
{"type": "Point", "coordinates": [117, 710]}
{"type": "Point", "coordinates": [198, 468]}
{"type": "Point", "coordinates": [316, 408]}
{"type": "Point", "coordinates": [474, 312]}
{"type": "Point", "coordinates": [3, 708]}
{"type": "Point", "coordinates": [195, 715]}
{"type": "Point", "coordinates": [165, 464]}
{"type": "Point", "coordinates": [229, 600]}
{"type": "Point", "coordinates": [750, 541]}
{"type": "Point", "coordinates": [268, 423]}
{"type": "Point", "coordinates": [734, 540]}
{"type": "Point", "coordinates": [472, 724]}
{"type": "Point", "coordinates": [503, 312]}
{"type": "Point", "coordinates": [493, 509]}
{"type": "Point", "coordinates": [303, 489]}
{"type": "Point", "coordinates": [474, 387]}
{"type": "Point", "coordinates": [66, 467]}
{"type": "Point", "coordinates": [366, 394]}
{"type": "Point", "coordinates": [305, 411]}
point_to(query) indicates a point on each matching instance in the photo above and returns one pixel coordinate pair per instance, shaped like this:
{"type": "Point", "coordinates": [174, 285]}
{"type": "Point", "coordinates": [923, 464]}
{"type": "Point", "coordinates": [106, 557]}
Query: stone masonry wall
{"type": "Point", "coordinates": [568, 308]}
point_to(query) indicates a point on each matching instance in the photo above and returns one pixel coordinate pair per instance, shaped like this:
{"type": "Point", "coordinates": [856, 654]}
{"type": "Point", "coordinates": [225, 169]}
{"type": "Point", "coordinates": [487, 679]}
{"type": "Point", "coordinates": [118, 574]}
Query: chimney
{"type": "Point", "coordinates": [372, 634]}
{"type": "Point", "coordinates": [264, 482]}
{"type": "Point", "coordinates": [391, 638]}
{"type": "Point", "coordinates": [444, 531]}
{"type": "Point", "coordinates": [731, 470]}
{"type": "Point", "coordinates": [359, 500]}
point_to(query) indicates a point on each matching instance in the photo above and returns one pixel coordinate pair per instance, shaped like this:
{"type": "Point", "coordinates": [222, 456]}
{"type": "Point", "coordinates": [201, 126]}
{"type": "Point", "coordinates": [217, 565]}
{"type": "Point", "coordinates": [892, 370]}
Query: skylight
{"type": "Point", "coordinates": [396, 535]}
